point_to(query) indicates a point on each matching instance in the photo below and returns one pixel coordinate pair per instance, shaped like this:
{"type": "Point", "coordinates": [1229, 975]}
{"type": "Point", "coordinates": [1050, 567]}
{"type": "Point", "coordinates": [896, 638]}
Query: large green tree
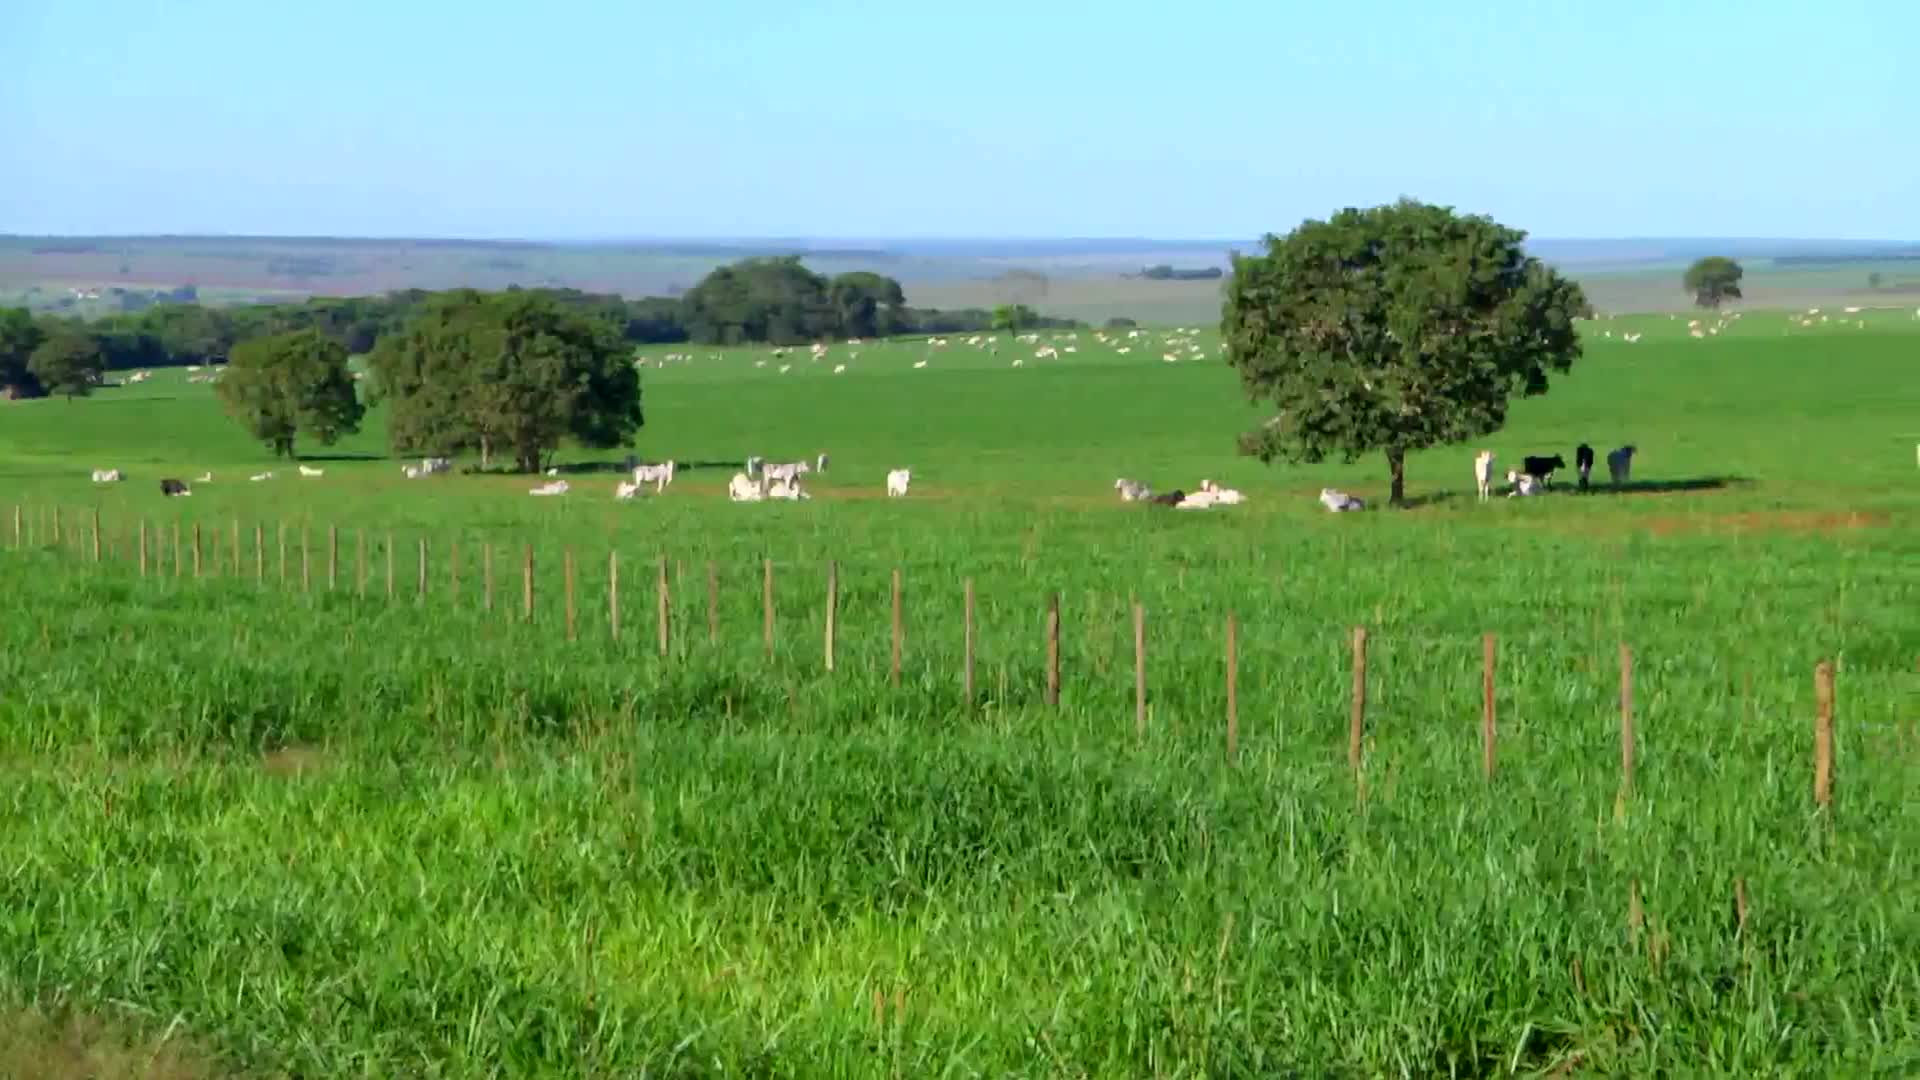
{"type": "Point", "coordinates": [289, 385]}
{"type": "Point", "coordinates": [1393, 329]}
{"type": "Point", "coordinates": [1714, 280]}
{"type": "Point", "coordinates": [867, 305]}
{"type": "Point", "coordinates": [512, 371]}
{"type": "Point", "coordinates": [19, 336]}
{"type": "Point", "coordinates": [68, 361]}
{"type": "Point", "coordinates": [1013, 318]}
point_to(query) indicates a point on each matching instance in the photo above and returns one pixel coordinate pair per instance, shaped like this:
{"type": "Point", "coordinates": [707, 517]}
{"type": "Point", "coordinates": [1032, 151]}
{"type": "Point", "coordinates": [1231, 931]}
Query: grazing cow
{"type": "Point", "coordinates": [743, 488]}
{"type": "Point", "coordinates": [657, 475]}
{"type": "Point", "coordinates": [897, 481]}
{"type": "Point", "coordinates": [1523, 484]}
{"type": "Point", "coordinates": [626, 489]}
{"type": "Point", "coordinates": [1583, 463]}
{"type": "Point", "coordinates": [820, 463]}
{"type": "Point", "coordinates": [551, 487]}
{"type": "Point", "coordinates": [413, 472]}
{"type": "Point", "coordinates": [1620, 464]}
{"type": "Point", "coordinates": [1542, 468]}
{"type": "Point", "coordinates": [308, 470]}
{"type": "Point", "coordinates": [1132, 490]}
{"type": "Point", "coordinates": [1483, 473]}
{"type": "Point", "coordinates": [790, 471]}
{"type": "Point", "coordinates": [753, 465]}
{"type": "Point", "coordinates": [204, 478]}
{"type": "Point", "coordinates": [257, 477]}
{"type": "Point", "coordinates": [170, 487]}
{"type": "Point", "coordinates": [107, 476]}
{"type": "Point", "coordinates": [1339, 502]}
{"type": "Point", "coordinates": [786, 489]}
{"type": "Point", "coordinates": [1222, 496]}
{"type": "Point", "coordinates": [1171, 498]}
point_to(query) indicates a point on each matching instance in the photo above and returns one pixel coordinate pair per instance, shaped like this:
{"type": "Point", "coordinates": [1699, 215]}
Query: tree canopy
{"type": "Point", "coordinates": [1393, 329]}
{"type": "Point", "coordinates": [1714, 280]}
{"type": "Point", "coordinates": [19, 336]}
{"type": "Point", "coordinates": [291, 384]}
{"type": "Point", "coordinates": [67, 361]}
{"type": "Point", "coordinates": [516, 371]}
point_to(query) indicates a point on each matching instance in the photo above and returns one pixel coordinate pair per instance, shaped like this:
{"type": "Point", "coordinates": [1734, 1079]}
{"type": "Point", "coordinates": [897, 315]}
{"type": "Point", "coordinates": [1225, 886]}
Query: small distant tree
{"type": "Point", "coordinates": [1714, 280]}
{"type": "Point", "coordinates": [68, 362]}
{"type": "Point", "coordinates": [288, 385]}
{"type": "Point", "coordinates": [1874, 279]}
{"type": "Point", "coordinates": [1393, 329]}
{"type": "Point", "coordinates": [1120, 323]}
{"type": "Point", "coordinates": [1014, 318]}
{"type": "Point", "coordinates": [19, 336]}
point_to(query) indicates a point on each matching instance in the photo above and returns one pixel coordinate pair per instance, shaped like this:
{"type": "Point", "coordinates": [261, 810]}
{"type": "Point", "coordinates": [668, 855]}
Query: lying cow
{"type": "Point", "coordinates": [170, 487]}
{"type": "Point", "coordinates": [1339, 502]}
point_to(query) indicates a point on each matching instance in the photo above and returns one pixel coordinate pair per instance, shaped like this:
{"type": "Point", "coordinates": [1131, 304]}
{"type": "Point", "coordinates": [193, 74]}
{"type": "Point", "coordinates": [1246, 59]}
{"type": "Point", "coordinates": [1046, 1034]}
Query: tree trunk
{"type": "Point", "coordinates": [1397, 461]}
{"type": "Point", "coordinates": [486, 452]}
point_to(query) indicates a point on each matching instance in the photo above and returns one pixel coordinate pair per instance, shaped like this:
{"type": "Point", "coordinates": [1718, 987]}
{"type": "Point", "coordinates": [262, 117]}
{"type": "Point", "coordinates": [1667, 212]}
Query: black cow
{"type": "Point", "coordinates": [1171, 498]}
{"type": "Point", "coordinates": [174, 487]}
{"type": "Point", "coordinates": [1542, 468]}
{"type": "Point", "coordinates": [1583, 463]}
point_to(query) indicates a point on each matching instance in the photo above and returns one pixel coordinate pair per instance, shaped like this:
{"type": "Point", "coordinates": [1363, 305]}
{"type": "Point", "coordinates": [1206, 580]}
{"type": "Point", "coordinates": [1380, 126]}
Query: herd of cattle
{"type": "Point", "coordinates": [761, 480]}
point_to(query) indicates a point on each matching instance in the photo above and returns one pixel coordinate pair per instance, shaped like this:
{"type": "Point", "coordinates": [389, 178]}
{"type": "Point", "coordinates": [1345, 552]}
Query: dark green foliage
{"type": "Point", "coordinates": [1166, 272]}
{"type": "Point", "coordinates": [767, 299]}
{"type": "Point", "coordinates": [190, 333]}
{"type": "Point", "coordinates": [1714, 280]}
{"type": "Point", "coordinates": [867, 305]}
{"type": "Point", "coordinates": [1121, 323]}
{"type": "Point", "coordinates": [1394, 329]}
{"type": "Point", "coordinates": [291, 384]}
{"type": "Point", "coordinates": [1014, 318]}
{"type": "Point", "coordinates": [19, 336]}
{"type": "Point", "coordinates": [515, 370]}
{"type": "Point", "coordinates": [67, 362]}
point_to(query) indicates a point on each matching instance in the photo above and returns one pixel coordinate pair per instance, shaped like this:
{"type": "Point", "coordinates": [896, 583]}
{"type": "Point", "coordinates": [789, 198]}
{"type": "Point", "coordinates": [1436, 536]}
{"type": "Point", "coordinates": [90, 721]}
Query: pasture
{"type": "Point", "coordinates": [343, 831]}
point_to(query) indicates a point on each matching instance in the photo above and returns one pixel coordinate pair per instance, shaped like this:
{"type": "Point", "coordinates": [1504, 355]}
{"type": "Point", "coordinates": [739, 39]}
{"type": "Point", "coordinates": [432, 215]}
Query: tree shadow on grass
{"type": "Point", "coordinates": [343, 455]}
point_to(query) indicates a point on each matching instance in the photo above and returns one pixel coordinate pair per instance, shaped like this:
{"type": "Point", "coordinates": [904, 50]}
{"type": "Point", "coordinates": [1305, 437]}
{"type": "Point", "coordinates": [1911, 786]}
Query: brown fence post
{"type": "Point", "coordinates": [96, 534]}
{"type": "Point", "coordinates": [566, 561]}
{"type": "Point", "coordinates": [282, 540]}
{"type": "Point", "coordinates": [143, 540]}
{"type": "Point", "coordinates": [420, 590]}
{"type": "Point", "coordinates": [56, 526]}
{"type": "Point", "coordinates": [1487, 647]}
{"type": "Point", "coordinates": [390, 546]}
{"type": "Point", "coordinates": [16, 526]}
{"type": "Point", "coordinates": [1053, 650]}
{"type": "Point", "coordinates": [967, 671]}
{"type": "Point", "coordinates": [1139, 670]}
{"type": "Point", "coordinates": [1823, 735]}
{"type": "Point", "coordinates": [613, 594]}
{"type": "Point", "coordinates": [196, 549]}
{"type": "Point", "coordinates": [259, 553]}
{"type": "Point", "coordinates": [179, 555]}
{"type": "Point", "coordinates": [713, 604]}
{"type": "Point", "coordinates": [1233, 689]}
{"type": "Point", "coordinates": [893, 672]}
{"type": "Point", "coordinates": [234, 542]}
{"type": "Point", "coordinates": [526, 583]}
{"type": "Point", "coordinates": [1357, 723]}
{"type": "Point", "coordinates": [333, 557]}
{"type": "Point", "coordinates": [833, 608]}
{"type": "Point", "coordinates": [1626, 721]}
{"type": "Point", "coordinates": [766, 599]}
{"type": "Point", "coordinates": [665, 603]}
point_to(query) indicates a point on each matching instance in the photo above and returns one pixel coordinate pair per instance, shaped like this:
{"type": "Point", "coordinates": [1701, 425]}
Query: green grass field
{"type": "Point", "coordinates": [330, 832]}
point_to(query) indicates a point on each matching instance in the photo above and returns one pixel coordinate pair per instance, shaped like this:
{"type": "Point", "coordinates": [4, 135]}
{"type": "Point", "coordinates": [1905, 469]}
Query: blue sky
{"type": "Point", "coordinates": [573, 118]}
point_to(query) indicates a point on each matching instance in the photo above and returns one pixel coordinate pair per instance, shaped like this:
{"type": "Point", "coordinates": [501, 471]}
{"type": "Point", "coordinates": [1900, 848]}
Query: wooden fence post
{"type": "Point", "coordinates": [389, 567]}
{"type": "Point", "coordinates": [1823, 735]}
{"type": "Point", "coordinates": [16, 526]}
{"type": "Point", "coordinates": [178, 551]}
{"type": "Point", "coordinates": [1139, 670]}
{"type": "Point", "coordinates": [306, 563]}
{"type": "Point", "coordinates": [1357, 723]}
{"type": "Point", "coordinates": [833, 608]}
{"type": "Point", "coordinates": [259, 553]}
{"type": "Point", "coordinates": [234, 542]}
{"type": "Point", "coordinates": [1487, 647]}
{"type": "Point", "coordinates": [613, 594]}
{"type": "Point", "coordinates": [566, 561]}
{"type": "Point", "coordinates": [196, 549]}
{"type": "Point", "coordinates": [665, 604]}
{"type": "Point", "coordinates": [1233, 689]}
{"type": "Point", "coordinates": [143, 540]}
{"type": "Point", "coordinates": [713, 604]}
{"type": "Point", "coordinates": [420, 592]}
{"type": "Point", "coordinates": [1053, 650]}
{"type": "Point", "coordinates": [333, 557]}
{"type": "Point", "coordinates": [96, 534]}
{"type": "Point", "coordinates": [766, 600]}
{"type": "Point", "coordinates": [526, 583]}
{"type": "Point", "coordinates": [898, 631]}
{"type": "Point", "coordinates": [56, 526]}
{"type": "Point", "coordinates": [967, 670]}
{"type": "Point", "coordinates": [282, 540]}
{"type": "Point", "coordinates": [1626, 721]}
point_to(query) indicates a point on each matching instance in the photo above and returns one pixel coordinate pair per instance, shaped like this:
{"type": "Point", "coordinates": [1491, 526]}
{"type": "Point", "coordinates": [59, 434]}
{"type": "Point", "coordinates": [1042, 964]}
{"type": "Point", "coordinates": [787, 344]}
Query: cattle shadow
{"type": "Point", "coordinates": [1661, 487]}
{"type": "Point", "coordinates": [343, 455]}
{"type": "Point", "coordinates": [576, 468]}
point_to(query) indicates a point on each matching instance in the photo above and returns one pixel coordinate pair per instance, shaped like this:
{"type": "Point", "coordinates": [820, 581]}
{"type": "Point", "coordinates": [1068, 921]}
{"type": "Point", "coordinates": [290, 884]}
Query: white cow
{"type": "Point", "coordinates": [412, 472]}
{"type": "Point", "coordinates": [308, 470]}
{"type": "Point", "coordinates": [742, 488]}
{"type": "Point", "coordinates": [1222, 496]}
{"type": "Point", "coordinates": [897, 482]}
{"type": "Point", "coordinates": [657, 475]}
{"type": "Point", "coordinates": [1132, 490]}
{"type": "Point", "coordinates": [1523, 484]}
{"type": "Point", "coordinates": [753, 465]}
{"type": "Point", "coordinates": [1620, 464]}
{"type": "Point", "coordinates": [786, 489]}
{"type": "Point", "coordinates": [551, 487]}
{"type": "Point", "coordinates": [626, 489]}
{"type": "Point", "coordinates": [1196, 500]}
{"type": "Point", "coordinates": [820, 463]}
{"type": "Point", "coordinates": [204, 478]}
{"type": "Point", "coordinates": [433, 465]}
{"type": "Point", "coordinates": [257, 477]}
{"type": "Point", "coordinates": [1339, 501]}
{"type": "Point", "coordinates": [107, 476]}
{"type": "Point", "coordinates": [1483, 473]}
{"type": "Point", "coordinates": [790, 471]}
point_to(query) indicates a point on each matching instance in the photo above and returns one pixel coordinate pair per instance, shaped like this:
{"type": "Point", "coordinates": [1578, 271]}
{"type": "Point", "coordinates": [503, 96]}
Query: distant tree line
{"type": "Point", "coordinates": [1166, 272]}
